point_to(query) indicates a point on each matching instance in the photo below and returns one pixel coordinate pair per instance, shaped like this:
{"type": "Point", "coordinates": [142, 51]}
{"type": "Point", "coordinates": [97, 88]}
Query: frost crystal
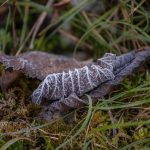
{"type": "Point", "coordinates": [58, 86]}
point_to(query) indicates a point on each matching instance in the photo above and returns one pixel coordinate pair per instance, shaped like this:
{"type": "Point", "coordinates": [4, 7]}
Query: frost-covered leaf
{"type": "Point", "coordinates": [81, 80]}
{"type": "Point", "coordinates": [38, 64]}
{"type": "Point", "coordinates": [57, 86]}
{"type": "Point", "coordinates": [125, 68]}
{"type": "Point", "coordinates": [35, 65]}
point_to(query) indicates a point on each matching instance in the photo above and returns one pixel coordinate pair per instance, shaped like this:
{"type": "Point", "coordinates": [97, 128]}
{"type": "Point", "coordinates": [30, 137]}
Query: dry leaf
{"type": "Point", "coordinates": [36, 65]}
{"type": "Point", "coordinates": [58, 86]}
{"type": "Point", "coordinates": [39, 64]}
{"type": "Point", "coordinates": [73, 101]}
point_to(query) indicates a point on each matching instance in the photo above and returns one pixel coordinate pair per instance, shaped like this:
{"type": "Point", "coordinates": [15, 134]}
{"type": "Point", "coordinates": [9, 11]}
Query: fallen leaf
{"type": "Point", "coordinates": [73, 102]}
{"type": "Point", "coordinates": [39, 64]}
{"type": "Point", "coordinates": [35, 65]}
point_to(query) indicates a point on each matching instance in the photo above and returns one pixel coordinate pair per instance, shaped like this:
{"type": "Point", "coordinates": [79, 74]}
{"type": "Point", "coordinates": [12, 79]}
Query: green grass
{"type": "Point", "coordinates": [119, 121]}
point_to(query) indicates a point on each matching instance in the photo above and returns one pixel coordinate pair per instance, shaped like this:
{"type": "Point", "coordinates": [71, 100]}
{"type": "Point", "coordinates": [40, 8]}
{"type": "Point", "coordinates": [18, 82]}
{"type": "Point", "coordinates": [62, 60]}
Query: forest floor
{"type": "Point", "coordinates": [85, 31]}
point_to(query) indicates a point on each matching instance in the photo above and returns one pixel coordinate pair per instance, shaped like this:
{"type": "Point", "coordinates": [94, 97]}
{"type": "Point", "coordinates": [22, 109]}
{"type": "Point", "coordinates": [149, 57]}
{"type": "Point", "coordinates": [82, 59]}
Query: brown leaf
{"type": "Point", "coordinates": [35, 65]}
{"type": "Point", "coordinates": [39, 64]}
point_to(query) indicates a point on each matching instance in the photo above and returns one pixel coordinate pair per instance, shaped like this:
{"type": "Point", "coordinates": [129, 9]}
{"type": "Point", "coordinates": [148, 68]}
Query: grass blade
{"type": "Point", "coordinates": [83, 126]}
